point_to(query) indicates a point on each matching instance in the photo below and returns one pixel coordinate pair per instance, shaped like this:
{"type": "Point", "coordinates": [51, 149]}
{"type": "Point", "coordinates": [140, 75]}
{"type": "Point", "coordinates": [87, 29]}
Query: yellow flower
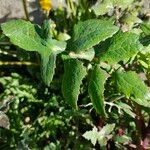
{"type": "Point", "coordinates": [45, 4]}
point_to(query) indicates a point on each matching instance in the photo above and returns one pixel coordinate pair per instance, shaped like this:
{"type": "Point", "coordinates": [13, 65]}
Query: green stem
{"type": "Point", "coordinates": [25, 9]}
{"type": "Point", "coordinates": [6, 63]}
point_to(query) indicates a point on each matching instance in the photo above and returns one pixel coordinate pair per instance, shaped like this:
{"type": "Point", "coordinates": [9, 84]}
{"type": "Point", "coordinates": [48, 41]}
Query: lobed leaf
{"type": "Point", "coordinates": [92, 135]}
{"type": "Point", "coordinates": [74, 72]}
{"type": "Point", "coordinates": [102, 136]}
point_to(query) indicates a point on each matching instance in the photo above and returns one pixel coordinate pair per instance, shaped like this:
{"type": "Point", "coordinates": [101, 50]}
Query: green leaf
{"type": "Point", "coordinates": [123, 3]}
{"type": "Point", "coordinates": [123, 139]}
{"type": "Point", "coordinates": [122, 47]}
{"type": "Point", "coordinates": [96, 89]}
{"type": "Point", "coordinates": [48, 61]}
{"type": "Point", "coordinates": [46, 30]}
{"type": "Point", "coordinates": [107, 129]}
{"type": "Point", "coordinates": [107, 6]}
{"type": "Point", "coordinates": [63, 36]}
{"type": "Point", "coordinates": [48, 65]}
{"type": "Point", "coordinates": [130, 19]}
{"type": "Point", "coordinates": [91, 135]}
{"type": "Point", "coordinates": [127, 109]}
{"type": "Point", "coordinates": [29, 37]}
{"type": "Point", "coordinates": [145, 28]}
{"type": "Point", "coordinates": [130, 84]}
{"type": "Point", "coordinates": [105, 134]}
{"type": "Point", "coordinates": [90, 33]}
{"type": "Point", "coordinates": [87, 55]}
{"type": "Point", "coordinates": [24, 34]}
{"type": "Point", "coordinates": [103, 7]}
{"type": "Point", "coordinates": [146, 43]}
{"type": "Point", "coordinates": [101, 136]}
{"type": "Point", "coordinates": [72, 79]}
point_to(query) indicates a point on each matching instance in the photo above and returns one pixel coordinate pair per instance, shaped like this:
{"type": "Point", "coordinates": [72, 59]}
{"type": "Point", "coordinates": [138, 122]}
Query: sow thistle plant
{"type": "Point", "coordinates": [97, 43]}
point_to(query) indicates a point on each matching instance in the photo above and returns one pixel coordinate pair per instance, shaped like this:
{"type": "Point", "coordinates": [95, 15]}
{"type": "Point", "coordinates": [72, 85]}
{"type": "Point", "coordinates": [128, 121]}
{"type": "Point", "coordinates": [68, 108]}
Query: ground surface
{"type": "Point", "coordinates": [10, 9]}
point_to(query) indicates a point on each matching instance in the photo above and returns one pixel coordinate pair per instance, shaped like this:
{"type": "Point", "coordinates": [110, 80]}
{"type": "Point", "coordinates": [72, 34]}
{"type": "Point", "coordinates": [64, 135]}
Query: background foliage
{"type": "Point", "coordinates": [78, 81]}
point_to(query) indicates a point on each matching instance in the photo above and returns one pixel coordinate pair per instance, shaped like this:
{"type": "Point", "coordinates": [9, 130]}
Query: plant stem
{"type": "Point", "coordinates": [9, 53]}
{"type": "Point", "coordinates": [5, 43]}
{"type": "Point", "coordinates": [25, 9]}
{"type": "Point", "coordinates": [5, 63]}
{"type": "Point", "coordinates": [140, 126]}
